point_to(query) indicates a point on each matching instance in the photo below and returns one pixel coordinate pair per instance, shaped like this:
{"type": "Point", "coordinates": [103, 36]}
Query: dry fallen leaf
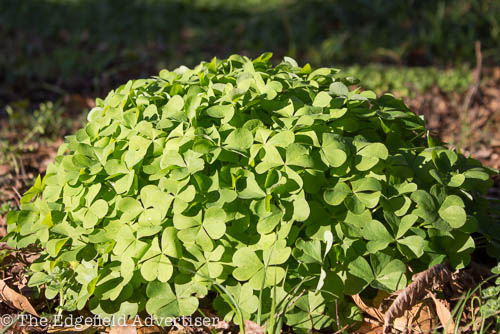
{"type": "Point", "coordinates": [418, 318]}
{"type": "Point", "coordinates": [127, 329]}
{"type": "Point", "coordinates": [223, 326]}
{"type": "Point", "coordinates": [67, 330]}
{"type": "Point", "coordinates": [415, 292]}
{"type": "Point", "coordinates": [252, 328]}
{"type": "Point", "coordinates": [371, 311]}
{"type": "Point", "coordinates": [4, 169]}
{"type": "Point", "coordinates": [370, 327]}
{"type": "Point", "coordinates": [15, 300]}
{"type": "Point", "coordinates": [444, 315]}
{"type": "Point", "coordinates": [150, 330]}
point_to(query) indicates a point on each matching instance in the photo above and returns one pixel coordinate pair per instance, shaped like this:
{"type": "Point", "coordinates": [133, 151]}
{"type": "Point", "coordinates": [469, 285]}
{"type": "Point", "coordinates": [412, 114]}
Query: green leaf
{"type": "Point", "coordinates": [130, 208]}
{"type": "Point", "coordinates": [214, 222]}
{"type": "Point", "coordinates": [156, 265]}
{"type": "Point", "coordinates": [164, 303]}
{"type": "Point", "coordinates": [354, 222]}
{"type": "Point", "coordinates": [358, 276]}
{"type": "Point", "coordinates": [250, 267]}
{"type": "Point", "coordinates": [243, 296]}
{"type": "Point", "coordinates": [86, 272]}
{"type": "Point", "coordinates": [138, 147]}
{"type": "Point", "coordinates": [369, 155]}
{"type": "Point", "coordinates": [170, 244]}
{"type": "Point", "coordinates": [298, 155]}
{"type": "Point", "coordinates": [153, 197]}
{"type": "Point", "coordinates": [282, 139]}
{"type": "Point", "coordinates": [426, 207]}
{"type": "Point", "coordinates": [322, 100]}
{"type": "Point", "coordinates": [334, 150]}
{"type": "Point", "coordinates": [452, 211]}
{"type": "Point", "coordinates": [252, 189]}
{"type": "Point", "coordinates": [250, 264]}
{"type": "Point", "coordinates": [338, 89]}
{"type": "Point", "coordinates": [378, 235]}
{"type": "Point", "coordinates": [454, 215]}
{"type": "Point", "coordinates": [173, 107]}
{"type": "Point", "coordinates": [128, 244]}
{"type": "Point", "coordinates": [226, 112]}
{"type": "Point", "coordinates": [54, 246]}
{"type": "Point", "coordinates": [310, 251]}
{"type": "Point", "coordinates": [377, 150]}
{"type": "Point", "coordinates": [412, 246]}
{"type": "Point", "coordinates": [337, 194]}
{"type": "Point", "coordinates": [405, 224]}
{"type": "Point", "coordinates": [150, 111]}
{"type": "Point", "coordinates": [389, 273]}
{"type": "Point", "coordinates": [34, 191]}
{"type": "Point", "coordinates": [301, 209]}
{"type": "Point", "coordinates": [367, 191]}
{"type": "Point", "coordinates": [366, 184]}
{"type": "Point", "coordinates": [309, 312]}
{"type": "Point", "coordinates": [127, 268]}
{"type": "Point", "coordinates": [456, 180]}
{"type": "Point", "coordinates": [99, 208]}
{"type": "Point", "coordinates": [171, 158]}
{"type": "Point", "coordinates": [269, 221]}
{"type": "Point", "coordinates": [240, 140]}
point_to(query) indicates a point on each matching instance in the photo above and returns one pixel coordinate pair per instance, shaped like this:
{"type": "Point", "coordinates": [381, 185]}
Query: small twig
{"type": "Point", "coordinates": [292, 304]}
{"type": "Point", "coordinates": [23, 170]}
{"type": "Point", "coordinates": [476, 77]}
{"type": "Point", "coordinates": [474, 89]}
{"type": "Point", "coordinates": [18, 198]}
{"type": "Point", "coordinates": [343, 329]}
{"type": "Point", "coordinates": [337, 313]}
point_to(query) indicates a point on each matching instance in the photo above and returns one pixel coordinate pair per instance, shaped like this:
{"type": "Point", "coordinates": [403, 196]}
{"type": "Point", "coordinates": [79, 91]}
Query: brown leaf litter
{"type": "Point", "coordinates": [432, 278]}
{"type": "Point", "coordinates": [426, 304]}
{"type": "Point", "coordinates": [15, 300]}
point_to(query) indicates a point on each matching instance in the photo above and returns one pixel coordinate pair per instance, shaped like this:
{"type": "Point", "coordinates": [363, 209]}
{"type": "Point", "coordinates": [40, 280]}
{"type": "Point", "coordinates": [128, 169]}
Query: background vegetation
{"type": "Point", "coordinates": [57, 56]}
{"type": "Point", "coordinates": [91, 45]}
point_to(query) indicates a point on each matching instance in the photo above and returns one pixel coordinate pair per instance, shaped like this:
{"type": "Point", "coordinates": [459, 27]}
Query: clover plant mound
{"type": "Point", "coordinates": [274, 182]}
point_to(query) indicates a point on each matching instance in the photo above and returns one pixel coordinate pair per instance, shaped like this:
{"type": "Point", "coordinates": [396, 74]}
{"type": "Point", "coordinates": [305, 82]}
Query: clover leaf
{"type": "Point", "coordinates": [201, 230]}
{"type": "Point", "coordinates": [273, 181]}
{"type": "Point", "coordinates": [244, 297]}
{"type": "Point", "coordinates": [260, 271]}
{"type": "Point", "coordinates": [309, 312]}
{"type": "Point", "coordinates": [164, 303]}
